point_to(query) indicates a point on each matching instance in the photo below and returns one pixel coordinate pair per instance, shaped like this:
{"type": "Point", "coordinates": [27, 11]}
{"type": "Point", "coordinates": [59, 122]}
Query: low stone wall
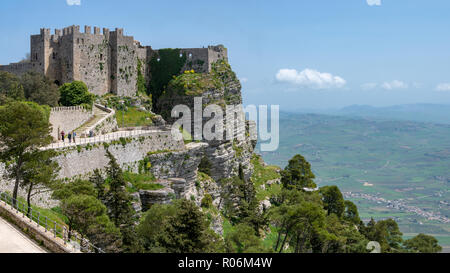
{"type": "Point", "coordinates": [37, 233]}
{"type": "Point", "coordinates": [82, 160]}
{"type": "Point", "coordinates": [68, 119]}
{"type": "Point", "coordinates": [42, 199]}
{"type": "Point", "coordinates": [106, 125]}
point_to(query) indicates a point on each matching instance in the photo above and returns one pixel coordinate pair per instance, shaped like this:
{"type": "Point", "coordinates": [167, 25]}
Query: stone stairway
{"type": "Point", "coordinates": [98, 115]}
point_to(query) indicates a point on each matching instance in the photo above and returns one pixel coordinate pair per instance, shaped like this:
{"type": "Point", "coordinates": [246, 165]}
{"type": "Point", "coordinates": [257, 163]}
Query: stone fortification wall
{"type": "Point", "coordinates": [84, 159]}
{"type": "Point", "coordinates": [68, 119]}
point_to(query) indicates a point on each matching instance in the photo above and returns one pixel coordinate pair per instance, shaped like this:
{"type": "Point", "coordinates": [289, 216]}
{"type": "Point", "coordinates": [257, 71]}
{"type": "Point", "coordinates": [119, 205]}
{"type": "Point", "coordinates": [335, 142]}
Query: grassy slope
{"type": "Point", "coordinates": [133, 118]}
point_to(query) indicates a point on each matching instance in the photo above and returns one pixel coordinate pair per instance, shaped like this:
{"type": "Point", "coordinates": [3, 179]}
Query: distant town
{"type": "Point", "coordinates": [401, 206]}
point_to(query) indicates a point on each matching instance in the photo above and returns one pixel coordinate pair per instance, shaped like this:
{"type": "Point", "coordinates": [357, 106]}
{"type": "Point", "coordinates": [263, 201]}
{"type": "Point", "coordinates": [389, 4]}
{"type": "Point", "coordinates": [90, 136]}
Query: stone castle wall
{"type": "Point", "coordinates": [83, 160]}
{"type": "Point", "coordinates": [106, 62]}
{"type": "Point", "coordinates": [68, 119]}
{"type": "Point", "coordinates": [17, 68]}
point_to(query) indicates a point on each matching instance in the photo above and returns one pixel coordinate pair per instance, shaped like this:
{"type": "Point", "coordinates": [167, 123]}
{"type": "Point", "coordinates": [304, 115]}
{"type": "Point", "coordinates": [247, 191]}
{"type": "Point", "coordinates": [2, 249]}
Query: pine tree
{"type": "Point", "coordinates": [120, 210]}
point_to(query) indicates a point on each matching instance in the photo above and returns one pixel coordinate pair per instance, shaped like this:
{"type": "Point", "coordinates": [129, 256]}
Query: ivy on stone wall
{"type": "Point", "coordinates": [141, 88]}
{"type": "Point", "coordinates": [163, 66]}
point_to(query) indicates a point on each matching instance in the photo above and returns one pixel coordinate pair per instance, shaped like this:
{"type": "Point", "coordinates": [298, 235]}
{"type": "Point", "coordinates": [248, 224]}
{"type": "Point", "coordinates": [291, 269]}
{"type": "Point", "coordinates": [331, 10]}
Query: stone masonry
{"type": "Point", "coordinates": [106, 61]}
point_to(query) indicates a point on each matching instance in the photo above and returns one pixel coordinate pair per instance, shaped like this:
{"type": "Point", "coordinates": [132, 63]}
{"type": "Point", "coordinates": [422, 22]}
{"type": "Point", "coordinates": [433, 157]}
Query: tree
{"type": "Point", "coordinates": [298, 174]}
{"type": "Point", "coordinates": [24, 128]}
{"type": "Point", "coordinates": [386, 233]}
{"type": "Point", "coordinates": [152, 225]}
{"type": "Point", "coordinates": [333, 200]}
{"type": "Point", "coordinates": [10, 87]}
{"type": "Point", "coordinates": [105, 235]}
{"type": "Point", "coordinates": [99, 183]}
{"type": "Point", "coordinates": [422, 244]}
{"type": "Point", "coordinates": [40, 174]}
{"type": "Point", "coordinates": [243, 240]}
{"type": "Point", "coordinates": [75, 93]}
{"type": "Point", "coordinates": [178, 228]}
{"type": "Point", "coordinates": [188, 231]}
{"type": "Point", "coordinates": [241, 204]}
{"type": "Point", "coordinates": [78, 187]}
{"type": "Point", "coordinates": [40, 89]}
{"type": "Point", "coordinates": [86, 214]}
{"type": "Point", "coordinates": [351, 213]}
{"type": "Point", "coordinates": [97, 226]}
{"type": "Point", "coordinates": [118, 201]}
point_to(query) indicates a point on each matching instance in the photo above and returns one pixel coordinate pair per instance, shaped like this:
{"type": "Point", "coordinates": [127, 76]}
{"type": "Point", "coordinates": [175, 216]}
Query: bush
{"type": "Point", "coordinates": [75, 93]}
{"type": "Point", "coordinates": [205, 166]}
{"type": "Point", "coordinates": [207, 201]}
{"type": "Point", "coordinates": [10, 87]}
{"type": "Point", "coordinates": [40, 89]}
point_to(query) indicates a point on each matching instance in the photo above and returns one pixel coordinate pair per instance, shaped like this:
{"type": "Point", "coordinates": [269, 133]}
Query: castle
{"type": "Point", "coordinates": [107, 62]}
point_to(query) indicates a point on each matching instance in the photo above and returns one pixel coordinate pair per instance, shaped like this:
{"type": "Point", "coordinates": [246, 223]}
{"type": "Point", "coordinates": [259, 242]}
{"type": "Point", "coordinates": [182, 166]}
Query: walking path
{"type": "Point", "coordinates": [14, 241]}
{"type": "Point", "coordinates": [101, 138]}
{"type": "Point", "coordinates": [98, 115]}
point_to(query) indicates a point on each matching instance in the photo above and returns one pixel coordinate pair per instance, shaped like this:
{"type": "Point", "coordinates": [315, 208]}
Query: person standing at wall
{"type": "Point", "coordinates": [69, 136]}
{"type": "Point", "coordinates": [62, 135]}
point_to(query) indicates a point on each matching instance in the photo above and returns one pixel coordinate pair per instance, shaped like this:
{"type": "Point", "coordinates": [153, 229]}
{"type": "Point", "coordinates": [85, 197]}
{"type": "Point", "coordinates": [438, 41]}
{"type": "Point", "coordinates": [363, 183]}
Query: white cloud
{"type": "Point", "coordinates": [394, 85]}
{"type": "Point", "coordinates": [243, 80]}
{"type": "Point", "coordinates": [369, 86]}
{"type": "Point", "coordinates": [443, 87]}
{"type": "Point", "coordinates": [310, 78]}
{"type": "Point", "coordinates": [373, 2]}
{"type": "Point", "coordinates": [73, 2]}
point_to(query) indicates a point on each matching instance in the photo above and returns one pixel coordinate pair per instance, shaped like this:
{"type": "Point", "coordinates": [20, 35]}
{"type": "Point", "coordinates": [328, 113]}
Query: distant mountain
{"type": "Point", "coordinates": [434, 113]}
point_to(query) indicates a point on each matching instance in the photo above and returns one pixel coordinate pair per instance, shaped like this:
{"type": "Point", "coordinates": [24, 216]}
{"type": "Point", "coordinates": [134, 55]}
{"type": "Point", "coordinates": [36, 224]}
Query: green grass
{"type": "Point", "coordinates": [261, 175]}
{"type": "Point", "coordinates": [53, 214]}
{"type": "Point", "coordinates": [141, 182]}
{"type": "Point", "coordinates": [133, 118]}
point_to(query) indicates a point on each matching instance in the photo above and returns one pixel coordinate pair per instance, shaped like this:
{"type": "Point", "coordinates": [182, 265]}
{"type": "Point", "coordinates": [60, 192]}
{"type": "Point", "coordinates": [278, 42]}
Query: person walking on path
{"type": "Point", "coordinates": [62, 135]}
{"type": "Point", "coordinates": [73, 136]}
{"type": "Point", "coordinates": [69, 136]}
{"type": "Point", "coordinates": [91, 133]}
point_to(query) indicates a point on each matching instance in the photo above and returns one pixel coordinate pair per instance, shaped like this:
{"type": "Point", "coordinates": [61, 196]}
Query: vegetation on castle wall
{"type": "Point", "coordinates": [140, 84]}
{"type": "Point", "coordinates": [193, 84]}
{"type": "Point", "coordinates": [163, 66]}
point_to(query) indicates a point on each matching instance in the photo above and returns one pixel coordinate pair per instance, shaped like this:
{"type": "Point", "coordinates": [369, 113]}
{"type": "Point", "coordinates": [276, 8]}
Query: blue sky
{"type": "Point", "coordinates": [299, 54]}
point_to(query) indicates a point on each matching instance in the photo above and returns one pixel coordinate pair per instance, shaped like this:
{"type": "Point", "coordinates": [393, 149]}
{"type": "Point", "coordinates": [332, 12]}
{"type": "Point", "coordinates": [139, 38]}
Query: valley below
{"type": "Point", "coordinates": [388, 168]}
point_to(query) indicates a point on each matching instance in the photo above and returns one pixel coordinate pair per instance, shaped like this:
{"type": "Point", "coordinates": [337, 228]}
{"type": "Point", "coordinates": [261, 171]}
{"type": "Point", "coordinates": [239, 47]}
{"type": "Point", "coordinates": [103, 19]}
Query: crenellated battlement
{"type": "Point", "coordinates": [69, 108]}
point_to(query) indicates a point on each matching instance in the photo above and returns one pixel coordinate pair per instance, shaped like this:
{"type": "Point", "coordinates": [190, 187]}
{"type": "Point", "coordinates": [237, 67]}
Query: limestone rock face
{"type": "Point", "coordinates": [149, 198]}
{"type": "Point", "coordinates": [181, 164]}
{"type": "Point", "coordinates": [136, 202]}
{"type": "Point", "coordinates": [219, 87]}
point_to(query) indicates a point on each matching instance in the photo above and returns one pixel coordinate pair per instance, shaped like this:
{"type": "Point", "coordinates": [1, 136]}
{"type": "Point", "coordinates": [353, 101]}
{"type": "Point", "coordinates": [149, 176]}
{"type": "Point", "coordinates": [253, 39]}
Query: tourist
{"type": "Point", "coordinates": [69, 136]}
{"type": "Point", "coordinates": [91, 133]}
{"type": "Point", "coordinates": [62, 135]}
{"type": "Point", "coordinates": [73, 136]}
